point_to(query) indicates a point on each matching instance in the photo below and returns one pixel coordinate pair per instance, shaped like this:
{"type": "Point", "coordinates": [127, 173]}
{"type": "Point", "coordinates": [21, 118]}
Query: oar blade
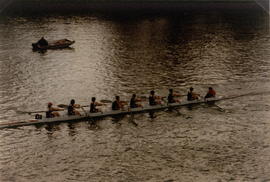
{"type": "Point", "coordinates": [62, 105]}
{"type": "Point", "coordinates": [29, 112]}
{"type": "Point", "coordinates": [105, 101]}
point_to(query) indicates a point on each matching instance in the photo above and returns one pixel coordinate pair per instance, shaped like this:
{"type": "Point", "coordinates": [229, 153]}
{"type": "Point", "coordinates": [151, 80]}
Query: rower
{"type": "Point", "coordinates": [171, 96]}
{"type": "Point", "coordinates": [52, 111]}
{"type": "Point", "coordinates": [211, 93]}
{"type": "Point", "coordinates": [153, 99]}
{"type": "Point", "coordinates": [117, 104]}
{"type": "Point", "coordinates": [191, 95]}
{"type": "Point", "coordinates": [71, 108]}
{"type": "Point", "coordinates": [133, 102]}
{"type": "Point", "coordinates": [93, 105]}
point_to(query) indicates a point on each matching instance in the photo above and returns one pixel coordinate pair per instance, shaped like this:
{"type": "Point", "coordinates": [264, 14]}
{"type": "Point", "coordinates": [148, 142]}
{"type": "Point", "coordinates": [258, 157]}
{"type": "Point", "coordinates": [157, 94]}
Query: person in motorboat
{"type": "Point", "coordinates": [71, 108]}
{"type": "Point", "coordinates": [171, 96]}
{"type": "Point", "coordinates": [192, 95]}
{"type": "Point", "coordinates": [93, 106]}
{"type": "Point", "coordinates": [118, 104]}
{"type": "Point", "coordinates": [153, 99]}
{"type": "Point", "coordinates": [211, 93]}
{"type": "Point", "coordinates": [42, 42]}
{"type": "Point", "coordinates": [133, 101]}
{"type": "Point", "coordinates": [52, 111]}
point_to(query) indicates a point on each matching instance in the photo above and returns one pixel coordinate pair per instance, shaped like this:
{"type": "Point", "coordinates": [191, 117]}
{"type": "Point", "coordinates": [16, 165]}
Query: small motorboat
{"type": "Point", "coordinates": [58, 44]}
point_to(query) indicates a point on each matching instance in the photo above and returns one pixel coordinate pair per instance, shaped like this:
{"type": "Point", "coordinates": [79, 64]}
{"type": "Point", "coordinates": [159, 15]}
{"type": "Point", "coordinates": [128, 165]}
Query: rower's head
{"type": "Point", "coordinates": [171, 90]}
{"type": "Point", "coordinates": [210, 88]}
{"type": "Point", "coordinates": [152, 92]}
{"type": "Point", "coordinates": [72, 102]}
{"type": "Point", "coordinates": [133, 95]}
{"type": "Point", "coordinates": [93, 99]}
{"type": "Point", "coordinates": [117, 98]}
{"type": "Point", "coordinates": [191, 89]}
{"type": "Point", "coordinates": [49, 104]}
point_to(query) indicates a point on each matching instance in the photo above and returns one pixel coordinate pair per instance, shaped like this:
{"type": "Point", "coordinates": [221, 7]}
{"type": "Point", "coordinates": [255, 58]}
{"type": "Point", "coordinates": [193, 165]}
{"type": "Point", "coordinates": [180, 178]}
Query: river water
{"type": "Point", "coordinates": [131, 53]}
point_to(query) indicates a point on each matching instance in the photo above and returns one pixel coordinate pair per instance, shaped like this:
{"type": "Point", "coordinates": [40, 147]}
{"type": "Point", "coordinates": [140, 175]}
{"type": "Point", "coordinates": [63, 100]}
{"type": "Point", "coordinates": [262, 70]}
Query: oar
{"type": "Point", "coordinates": [105, 101]}
{"type": "Point", "coordinates": [143, 97]}
{"type": "Point", "coordinates": [83, 110]}
{"type": "Point", "coordinates": [146, 97]}
{"type": "Point", "coordinates": [181, 114]}
{"type": "Point", "coordinates": [66, 106]}
{"type": "Point", "coordinates": [31, 112]}
{"type": "Point", "coordinates": [109, 101]}
{"type": "Point", "coordinates": [219, 108]}
{"type": "Point", "coordinates": [132, 121]}
{"type": "Point", "coordinates": [180, 95]}
{"type": "Point", "coordinates": [177, 111]}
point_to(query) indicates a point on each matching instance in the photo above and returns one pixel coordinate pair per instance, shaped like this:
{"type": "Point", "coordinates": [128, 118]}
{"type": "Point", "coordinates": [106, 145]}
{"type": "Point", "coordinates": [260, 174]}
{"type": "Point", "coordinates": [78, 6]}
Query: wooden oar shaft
{"type": "Point", "coordinates": [105, 101]}
{"type": "Point", "coordinates": [66, 106]}
{"type": "Point", "coordinates": [83, 110]}
{"type": "Point", "coordinates": [220, 108]}
{"type": "Point", "coordinates": [31, 112]}
{"type": "Point", "coordinates": [180, 95]}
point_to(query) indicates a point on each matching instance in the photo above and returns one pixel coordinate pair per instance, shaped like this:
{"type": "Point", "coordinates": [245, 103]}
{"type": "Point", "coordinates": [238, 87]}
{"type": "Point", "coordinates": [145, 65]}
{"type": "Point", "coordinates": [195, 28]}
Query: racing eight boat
{"type": "Point", "coordinates": [88, 116]}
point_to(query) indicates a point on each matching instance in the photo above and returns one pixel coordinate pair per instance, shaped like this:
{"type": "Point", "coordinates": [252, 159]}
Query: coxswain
{"type": "Point", "coordinates": [191, 95]}
{"type": "Point", "coordinates": [71, 108]}
{"type": "Point", "coordinates": [211, 93]}
{"type": "Point", "coordinates": [133, 102]}
{"type": "Point", "coordinates": [154, 100]}
{"type": "Point", "coordinates": [52, 111]}
{"type": "Point", "coordinates": [171, 96]}
{"type": "Point", "coordinates": [93, 106]}
{"type": "Point", "coordinates": [117, 104]}
{"type": "Point", "coordinates": [43, 42]}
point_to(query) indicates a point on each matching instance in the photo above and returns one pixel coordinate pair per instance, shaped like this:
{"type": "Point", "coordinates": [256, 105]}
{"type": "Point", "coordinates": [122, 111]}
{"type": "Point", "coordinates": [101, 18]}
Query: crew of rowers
{"type": "Point", "coordinates": [119, 105]}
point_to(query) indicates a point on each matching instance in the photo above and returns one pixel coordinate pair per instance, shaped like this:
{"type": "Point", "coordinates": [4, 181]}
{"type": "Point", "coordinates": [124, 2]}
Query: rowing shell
{"type": "Point", "coordinates": [89, 116]}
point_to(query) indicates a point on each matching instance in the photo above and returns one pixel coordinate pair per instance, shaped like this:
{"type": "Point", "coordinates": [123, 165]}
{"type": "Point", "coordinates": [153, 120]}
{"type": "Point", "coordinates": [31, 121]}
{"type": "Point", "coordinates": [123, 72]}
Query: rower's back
{"type": "Point", "coordinates": [70, 108]}
{"type": "Point", "coordinates": [152, 100]}
{"type": "Point", "coordinates": [211, 93]}
{"type": "Point", "coordinates": [171, 97]}
{"type": "Point", "coordinates": [132, 102]}
{"type": "Point", "coordinates": [93, 105]}
{"type": "Point", "coordinates": [190, 94]}
{"type": "Point", "coordinates": [115, 104]}
{"type": "Point", "coordinates": [49, 112]}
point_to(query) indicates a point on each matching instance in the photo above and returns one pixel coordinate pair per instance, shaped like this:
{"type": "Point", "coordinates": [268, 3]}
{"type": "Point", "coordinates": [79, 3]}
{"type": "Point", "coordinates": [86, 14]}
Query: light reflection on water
{"type": "Point", "coordinates": [125, 55]}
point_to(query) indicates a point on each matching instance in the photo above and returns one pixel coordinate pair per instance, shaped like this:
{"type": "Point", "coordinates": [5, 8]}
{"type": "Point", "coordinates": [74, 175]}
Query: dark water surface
{"type": "Point", "coordinates": [136, 53]}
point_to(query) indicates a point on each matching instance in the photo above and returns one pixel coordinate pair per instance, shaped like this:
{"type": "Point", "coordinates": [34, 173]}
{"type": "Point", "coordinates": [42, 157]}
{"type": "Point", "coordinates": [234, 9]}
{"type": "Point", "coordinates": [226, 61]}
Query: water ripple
{"type": "Point", "coordinates": [136, 54]}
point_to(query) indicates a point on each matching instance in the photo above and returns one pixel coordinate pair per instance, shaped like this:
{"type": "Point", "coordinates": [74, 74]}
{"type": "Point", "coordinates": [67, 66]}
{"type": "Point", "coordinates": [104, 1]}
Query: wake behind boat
{"type": "Point", "coordinates": [42, 44]}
